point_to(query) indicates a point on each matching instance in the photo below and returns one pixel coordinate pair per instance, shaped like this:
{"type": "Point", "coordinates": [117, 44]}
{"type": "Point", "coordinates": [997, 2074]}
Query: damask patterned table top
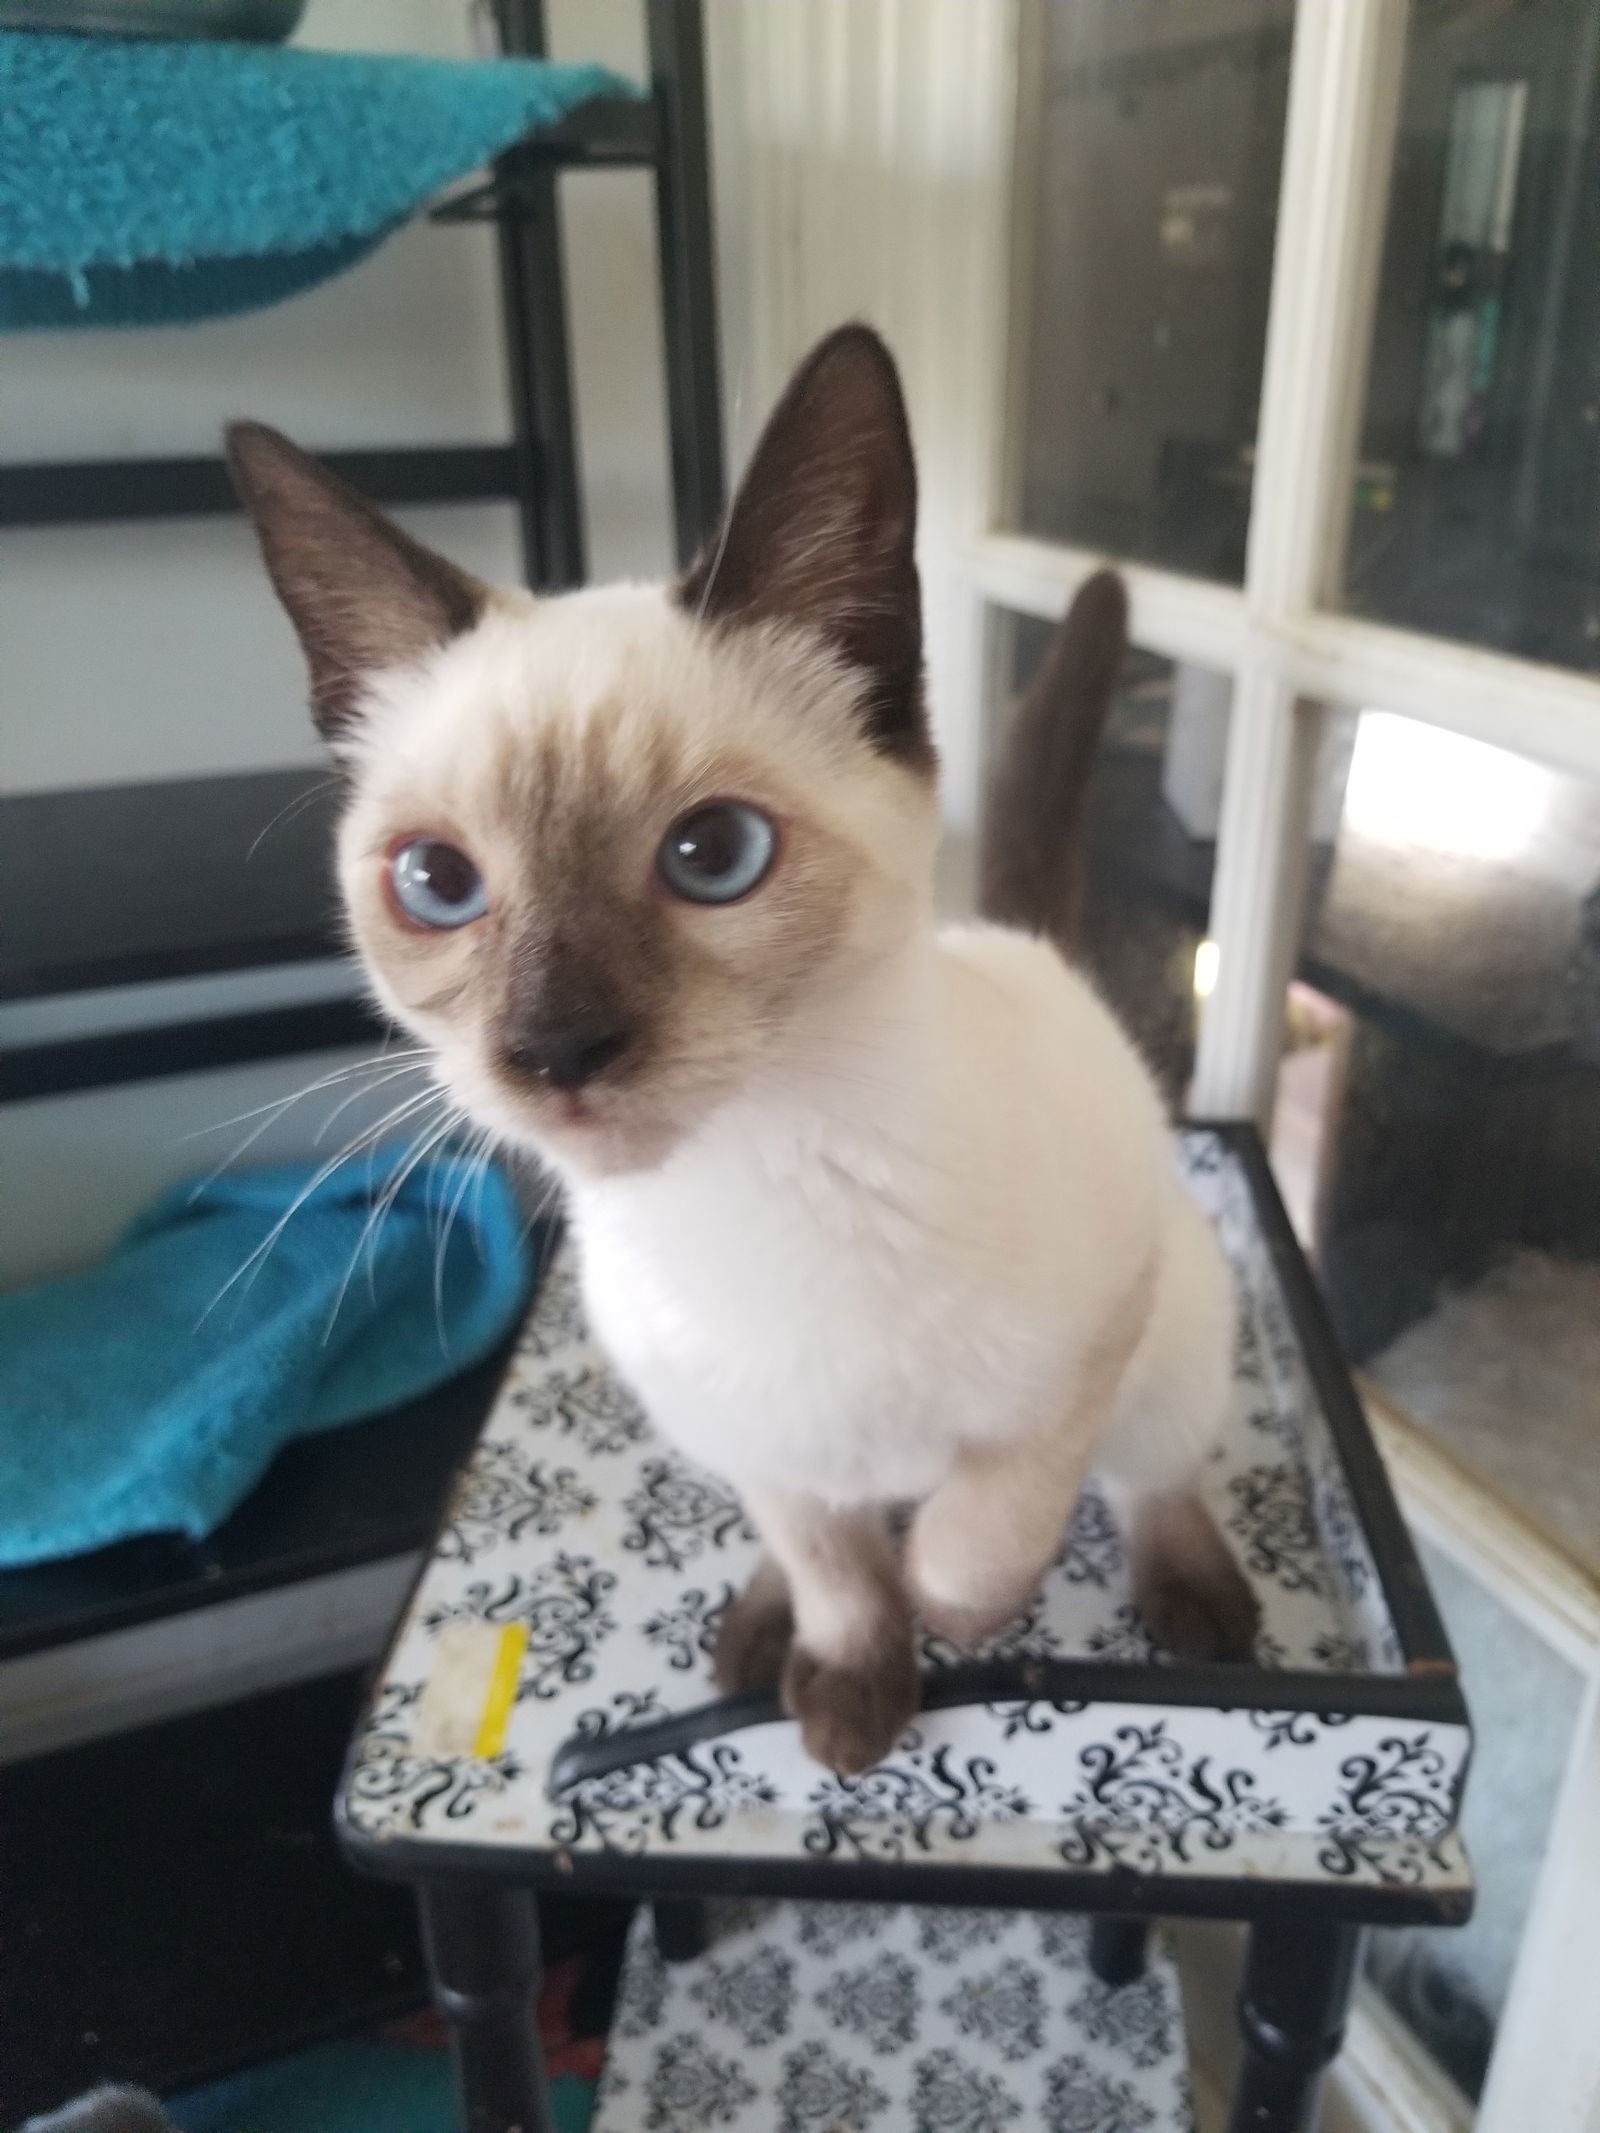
{"type": "Point", "coordinates": [575, 1587]}
{"type": "Point", "coordinates": [805, 2017]}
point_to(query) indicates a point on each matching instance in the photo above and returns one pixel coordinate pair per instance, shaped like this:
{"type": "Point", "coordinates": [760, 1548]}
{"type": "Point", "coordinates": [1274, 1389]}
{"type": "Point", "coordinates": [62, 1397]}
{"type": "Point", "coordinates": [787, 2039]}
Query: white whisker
{"type": "Point", "coordinates": [394, 1073]}
{"type": "Point", "coordinates": [443, 1244]}
{"type": "Point", "coordinates": [379, 1072]}
{"type": "Point", "coordinates": [325, 1171]}
{"type": "Point", "coordinates": [323, 1081]}
{"type": "Point", "coordinates": [276, 1112]}
{"type": "Point", "coordinates": [485, 1162]}
{"type": "Point", "coordinates": [300, 801]}
{"type": "Point", "coordinates": [429, 1139]}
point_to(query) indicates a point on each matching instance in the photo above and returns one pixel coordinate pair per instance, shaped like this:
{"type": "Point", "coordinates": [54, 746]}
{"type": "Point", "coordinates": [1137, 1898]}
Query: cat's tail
{"type": "Point", "coordinates": [1031, 864]}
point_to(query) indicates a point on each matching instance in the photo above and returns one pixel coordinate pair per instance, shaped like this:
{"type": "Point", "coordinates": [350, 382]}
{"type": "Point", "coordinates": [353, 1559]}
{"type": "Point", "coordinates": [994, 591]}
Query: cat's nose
{"type": "Point", "coordinates": [566, 1055]}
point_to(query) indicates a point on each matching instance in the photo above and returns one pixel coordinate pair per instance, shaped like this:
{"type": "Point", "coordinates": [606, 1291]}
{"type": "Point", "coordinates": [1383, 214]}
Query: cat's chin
{"type": "Point", "coordinates": [595, 1148]}
{"type": "Point", "coordinates": [584, 1139]}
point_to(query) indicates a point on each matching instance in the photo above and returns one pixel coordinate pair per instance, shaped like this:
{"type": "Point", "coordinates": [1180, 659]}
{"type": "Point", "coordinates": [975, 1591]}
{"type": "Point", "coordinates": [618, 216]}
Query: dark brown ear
{"type": "Point", "coordinates": [822, 529]}
{"type": "Point", "coordinates": [362, 594]}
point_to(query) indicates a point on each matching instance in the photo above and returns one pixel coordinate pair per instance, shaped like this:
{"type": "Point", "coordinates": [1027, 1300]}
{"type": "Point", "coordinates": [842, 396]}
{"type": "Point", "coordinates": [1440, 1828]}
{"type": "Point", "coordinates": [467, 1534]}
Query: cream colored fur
{"type": "Point", "coordinates": [869, 1213]}
{"type": "Point", "coordinates": [916, 1234]}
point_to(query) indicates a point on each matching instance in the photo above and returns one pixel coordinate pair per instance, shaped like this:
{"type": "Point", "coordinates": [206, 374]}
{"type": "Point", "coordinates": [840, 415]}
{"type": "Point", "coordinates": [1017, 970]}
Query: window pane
{"type": "Point", "coordinates": [1438, 1123]}
{"type": "Point", "coordinates": [1450, 1988]}
{"type": "Point", "coordinates": [1152, 194]}
{"type": "Point", "coordinates": [1477, 511]}
{"type": "Point", "coordinates": [1149, 843]}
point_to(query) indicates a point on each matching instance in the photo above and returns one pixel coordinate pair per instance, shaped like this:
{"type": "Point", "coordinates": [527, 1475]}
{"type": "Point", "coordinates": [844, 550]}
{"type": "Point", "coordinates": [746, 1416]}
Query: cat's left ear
{"type": "Point", "coordinates": [362, 594]}
{"type": "Point", "coordinates": [822, 531]}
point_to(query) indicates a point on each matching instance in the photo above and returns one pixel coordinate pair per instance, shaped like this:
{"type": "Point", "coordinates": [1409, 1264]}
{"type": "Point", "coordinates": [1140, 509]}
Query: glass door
{"type": "Point", "coordinates": [1305, 336]}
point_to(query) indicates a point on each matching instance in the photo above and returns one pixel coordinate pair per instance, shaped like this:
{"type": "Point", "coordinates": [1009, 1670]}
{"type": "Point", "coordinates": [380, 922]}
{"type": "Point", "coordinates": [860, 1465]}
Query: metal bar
{"type": "Point", "coordinates": [125, 1055]}
{"type": "Point", "coordinates": [534, 305]}
{"type": "Point", "coordinates": [688, 271]}
{"type": "Point", "coordinates": [682, 1928]}
{"type": "Point", "coordinates": [608, 133]}
{"type": "Point", "coordinates": [482, 1946]}
{"type": "Point", "coordinates": [77, 492]}
{"type": "Point", "coordinates": [1440, 1894]}
{"type": "Point", "coordinates": [1291, 2015]}
{"type": "Point", "coordinates": [71, 1688]}
{"type": "Point", "coordinates": [1119, 1948]}
{"type": "Point", "coordinates": [1426, 1697]}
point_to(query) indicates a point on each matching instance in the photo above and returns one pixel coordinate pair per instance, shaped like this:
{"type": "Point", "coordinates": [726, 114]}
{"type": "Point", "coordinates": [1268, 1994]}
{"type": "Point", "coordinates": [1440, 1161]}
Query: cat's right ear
{"type": "Point", "coordinates": [362, 595]}
{"type": "Point", "coordinates": [822, 533]}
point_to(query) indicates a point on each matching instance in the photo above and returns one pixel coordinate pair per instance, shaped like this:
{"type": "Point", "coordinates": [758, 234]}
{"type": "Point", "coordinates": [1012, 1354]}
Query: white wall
{"type": "Point", "coordinates": [152, 651]}
{"type": "Point", "coordinates": [862, 149]}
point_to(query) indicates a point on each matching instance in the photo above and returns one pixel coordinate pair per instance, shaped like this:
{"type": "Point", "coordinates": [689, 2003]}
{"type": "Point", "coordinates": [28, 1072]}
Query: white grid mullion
{"type": "Point", "coordinates": [1549, 713]}
{"type": "Point", "coordinates": [1343, 100]}
{"type": "Point", "coordinates": [1182, 618]}
{"type": "Point", "coordinates": [1257, 893]}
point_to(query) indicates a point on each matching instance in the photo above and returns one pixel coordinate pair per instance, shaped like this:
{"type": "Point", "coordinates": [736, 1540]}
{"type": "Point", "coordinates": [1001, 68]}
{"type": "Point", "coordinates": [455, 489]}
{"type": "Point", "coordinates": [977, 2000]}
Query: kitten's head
{"type": "Point", "coordinates": [615, 853]}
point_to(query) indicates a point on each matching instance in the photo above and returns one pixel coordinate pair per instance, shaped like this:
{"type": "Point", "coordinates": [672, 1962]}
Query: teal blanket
{"type": "Point", "coordinates": [150, 1394]}
{"type": "Point", "coordinates": [145, 183]}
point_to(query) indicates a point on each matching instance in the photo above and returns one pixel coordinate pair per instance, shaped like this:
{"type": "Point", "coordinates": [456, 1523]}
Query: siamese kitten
{"type": "Point", "coordinates": [870, 1212]}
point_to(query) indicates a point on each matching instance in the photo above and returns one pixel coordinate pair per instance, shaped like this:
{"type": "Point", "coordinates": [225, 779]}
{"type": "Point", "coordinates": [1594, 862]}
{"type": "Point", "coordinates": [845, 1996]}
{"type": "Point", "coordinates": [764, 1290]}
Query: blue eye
{"type": "Point", "coordinates": [436, 885]}
{"type": "Point", "coordinates": [717, 854]}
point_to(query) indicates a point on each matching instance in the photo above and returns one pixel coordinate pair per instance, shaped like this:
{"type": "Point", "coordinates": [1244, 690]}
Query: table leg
{"type": "Point", "coordinates": [682, 1928]}
{"type": "Point", "coordinates": [1292, 2006]}
{"type": "Point", "coordinates": [482, 1945]}
{"type": "Point", "coordinates": [1118, 1948]}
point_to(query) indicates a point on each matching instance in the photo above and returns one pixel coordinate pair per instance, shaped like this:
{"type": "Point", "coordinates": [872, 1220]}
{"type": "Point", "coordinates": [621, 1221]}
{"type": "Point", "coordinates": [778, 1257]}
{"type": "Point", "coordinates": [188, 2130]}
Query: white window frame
{"type": "Point", "coordinates": [1289, 650]}
{"type": "Point", "coordinates": [1292, 655]}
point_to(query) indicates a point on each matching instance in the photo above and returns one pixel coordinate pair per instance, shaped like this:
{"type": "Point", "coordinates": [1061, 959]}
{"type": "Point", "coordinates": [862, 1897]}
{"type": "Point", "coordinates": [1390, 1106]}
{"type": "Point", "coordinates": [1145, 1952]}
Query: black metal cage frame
{"type": "Point", "coordinates": [537, 469]}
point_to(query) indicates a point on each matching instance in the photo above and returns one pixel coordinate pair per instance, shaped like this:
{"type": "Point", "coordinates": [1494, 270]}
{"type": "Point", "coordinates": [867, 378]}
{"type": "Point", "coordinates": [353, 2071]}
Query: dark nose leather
{"type": "Point", "coordinates": [566, 1055]}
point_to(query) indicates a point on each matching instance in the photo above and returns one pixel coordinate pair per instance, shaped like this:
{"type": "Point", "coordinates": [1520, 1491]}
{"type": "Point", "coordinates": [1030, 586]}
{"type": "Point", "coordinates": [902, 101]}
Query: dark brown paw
{"type": "Point", "coordinates": [1194, 1617]}
{"type": "Point", "coordinates": [753, 1636]}
{"type": "Point", "coordinates": [851, 1716]}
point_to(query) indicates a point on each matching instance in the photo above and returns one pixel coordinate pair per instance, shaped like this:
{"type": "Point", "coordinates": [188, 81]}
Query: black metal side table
{"type": "Point", "coordinates": [545, 1715]}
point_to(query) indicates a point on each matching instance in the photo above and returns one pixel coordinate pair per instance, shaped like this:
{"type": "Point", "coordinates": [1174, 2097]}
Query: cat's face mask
{"type": "Point", "coordinates": [615, 854]}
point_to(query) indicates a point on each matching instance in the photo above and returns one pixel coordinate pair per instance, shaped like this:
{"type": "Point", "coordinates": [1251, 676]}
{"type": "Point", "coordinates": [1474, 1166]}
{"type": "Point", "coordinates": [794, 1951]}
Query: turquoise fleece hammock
{"type": "Point", "coordinates": [144, 184]}
{"type": "Point", "coordinates": [150, 1393]}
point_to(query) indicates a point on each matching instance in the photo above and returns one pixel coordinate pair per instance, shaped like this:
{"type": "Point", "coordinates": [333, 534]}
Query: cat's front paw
{"type": "Point", "coordinates": [1195, 1600]}
{"type": "Point", "coordinates": [1200, 1619]}
{"type": "Point", "coordinates": [851, 1716]}
{"type": "Point", "coordinates": [754, 1635]}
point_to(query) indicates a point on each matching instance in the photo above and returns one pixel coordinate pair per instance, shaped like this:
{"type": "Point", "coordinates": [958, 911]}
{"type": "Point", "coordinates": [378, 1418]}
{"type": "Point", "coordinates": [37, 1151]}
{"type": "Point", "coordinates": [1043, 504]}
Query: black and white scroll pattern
{"type": "Point", "coordinates": [504, 1495]}
{"type": "Point", "coordinates": [779, 2025]}
{"type": "Point", "coordinates": [563, 1604]}
{"type": "Point", "coordinates": [607, 1560]}
{"type": "Point", "coordinates": [1278, 1487]}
